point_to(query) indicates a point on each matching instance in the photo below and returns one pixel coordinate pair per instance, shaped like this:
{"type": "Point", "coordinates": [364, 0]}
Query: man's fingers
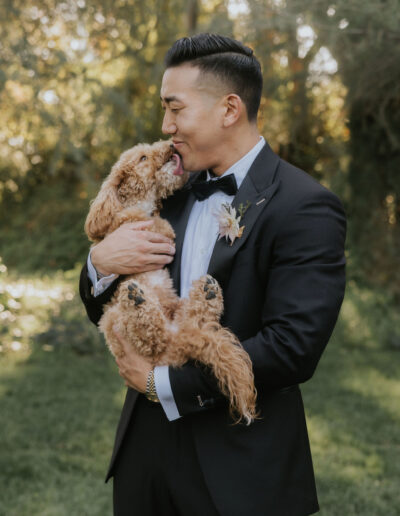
{"type": "Point", "coordinates": [158, 259]}
{"type": "Point", "coordinates": [153, 267]}
{"type": "Point", "coordinates": [138, 225]}
{"type": "Point", "coordinates": [160, 248]}
{"type": "Point", "coordinates": [151, 236]}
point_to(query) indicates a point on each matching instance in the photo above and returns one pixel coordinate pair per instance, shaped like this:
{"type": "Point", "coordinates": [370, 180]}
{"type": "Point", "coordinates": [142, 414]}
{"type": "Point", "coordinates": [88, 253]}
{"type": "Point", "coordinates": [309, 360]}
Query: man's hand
{"type": "Point", "coordinates": [132, 367]}
{"type": "Point", "coordinates": [131, 249]}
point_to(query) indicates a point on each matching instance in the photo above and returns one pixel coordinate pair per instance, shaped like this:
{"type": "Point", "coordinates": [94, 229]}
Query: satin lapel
{"type": "Point", "coordinates": [177, 210]}
{"type": "Point", "coordinates": [258, 188]}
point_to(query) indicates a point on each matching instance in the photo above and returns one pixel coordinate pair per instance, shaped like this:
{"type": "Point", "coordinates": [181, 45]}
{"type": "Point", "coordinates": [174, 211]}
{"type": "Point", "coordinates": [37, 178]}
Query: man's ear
{"type": "Point", "coordinates": [233, 109]}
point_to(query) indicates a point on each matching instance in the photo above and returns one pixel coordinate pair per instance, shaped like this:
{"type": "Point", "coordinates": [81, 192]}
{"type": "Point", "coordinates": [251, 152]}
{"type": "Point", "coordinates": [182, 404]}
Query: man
{"type": "Point", "coordinates": [283, 281]}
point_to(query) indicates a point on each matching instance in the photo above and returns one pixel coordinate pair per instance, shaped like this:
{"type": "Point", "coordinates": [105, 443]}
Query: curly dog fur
{"type": "Point", "coordinates": [161, 326]}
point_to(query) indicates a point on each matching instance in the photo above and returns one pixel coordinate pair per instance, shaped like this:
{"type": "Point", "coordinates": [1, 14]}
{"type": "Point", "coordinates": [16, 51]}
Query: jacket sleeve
{"type": "Point", "coordinates": [303, 296]}
{"type": "Point", "coordinates": [94, 305]}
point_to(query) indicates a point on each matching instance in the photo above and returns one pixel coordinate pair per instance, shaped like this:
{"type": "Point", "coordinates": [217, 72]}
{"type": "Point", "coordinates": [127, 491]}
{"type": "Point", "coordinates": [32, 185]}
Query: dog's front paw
{"type": "Point", "coordinates": [135, 293]}
{"type": "Point", "coordinates": [131, 296]}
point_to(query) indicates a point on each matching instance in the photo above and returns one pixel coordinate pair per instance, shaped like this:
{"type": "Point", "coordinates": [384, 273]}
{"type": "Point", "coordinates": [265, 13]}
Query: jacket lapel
{"type": "Point", "coordinates": [258, 187]}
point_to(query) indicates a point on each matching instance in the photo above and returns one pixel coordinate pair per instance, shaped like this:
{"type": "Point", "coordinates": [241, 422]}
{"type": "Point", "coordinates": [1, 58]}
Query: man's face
{"type": "Point", "coordinates": [193, 116]}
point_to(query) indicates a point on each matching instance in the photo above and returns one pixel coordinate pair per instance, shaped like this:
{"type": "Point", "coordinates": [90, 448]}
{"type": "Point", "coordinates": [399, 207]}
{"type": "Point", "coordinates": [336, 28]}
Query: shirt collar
{"type": "Point", "coordinates": [241, 167]}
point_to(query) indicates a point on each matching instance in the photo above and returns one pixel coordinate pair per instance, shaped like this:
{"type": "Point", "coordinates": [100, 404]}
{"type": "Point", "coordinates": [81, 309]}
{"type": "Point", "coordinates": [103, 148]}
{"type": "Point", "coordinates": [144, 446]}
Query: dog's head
{"type": "Point", "coordinates": [148, 171]}
{"type": "Point", "coordinates": [143, 173]}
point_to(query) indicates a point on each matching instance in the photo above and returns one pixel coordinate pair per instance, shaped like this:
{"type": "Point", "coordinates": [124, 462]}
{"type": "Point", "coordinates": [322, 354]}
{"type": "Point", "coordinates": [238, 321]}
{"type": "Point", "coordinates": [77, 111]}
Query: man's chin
{"type": "Point", "coordinates": [194, 170]}
{"type": "Point", "coordinates": [187, 166]}
{"type": "Point", "coordinates": [190, 167]}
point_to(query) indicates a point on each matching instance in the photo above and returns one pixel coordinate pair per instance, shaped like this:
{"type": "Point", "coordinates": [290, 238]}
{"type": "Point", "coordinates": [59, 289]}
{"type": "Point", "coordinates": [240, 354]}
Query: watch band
{"type": "Point", "coordinates": [151, 393]}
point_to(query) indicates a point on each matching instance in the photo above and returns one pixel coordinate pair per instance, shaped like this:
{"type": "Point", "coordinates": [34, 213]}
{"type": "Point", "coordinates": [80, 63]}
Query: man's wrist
{"type": "Point", "coordinates": [99, 285]}
{"type": "Point", "coordinates": [101, 273]}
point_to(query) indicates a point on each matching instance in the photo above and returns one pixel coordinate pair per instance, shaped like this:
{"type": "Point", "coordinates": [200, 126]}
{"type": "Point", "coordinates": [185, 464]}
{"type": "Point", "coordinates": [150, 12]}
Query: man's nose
{"type": "Point", "coordinates": [168, 126]}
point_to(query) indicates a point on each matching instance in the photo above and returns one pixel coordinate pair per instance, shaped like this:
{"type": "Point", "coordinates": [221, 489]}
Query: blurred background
{"type": "Point", "coordinates": [79, 83]}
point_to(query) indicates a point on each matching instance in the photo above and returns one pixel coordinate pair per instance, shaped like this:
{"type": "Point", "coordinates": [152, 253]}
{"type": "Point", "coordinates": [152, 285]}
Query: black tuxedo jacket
{"type": "Point", "coordinates": [283, 284]}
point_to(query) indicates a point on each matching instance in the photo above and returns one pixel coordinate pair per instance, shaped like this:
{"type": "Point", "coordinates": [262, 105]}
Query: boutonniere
{"type": "Point", "coordinates": [228, 222]}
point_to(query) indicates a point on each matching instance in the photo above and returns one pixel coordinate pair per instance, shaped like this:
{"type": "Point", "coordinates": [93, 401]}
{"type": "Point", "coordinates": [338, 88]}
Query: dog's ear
{"type": "Point", "coordinates": [132, 187]}
{"type": "Point", "coordinates": [102, 211]}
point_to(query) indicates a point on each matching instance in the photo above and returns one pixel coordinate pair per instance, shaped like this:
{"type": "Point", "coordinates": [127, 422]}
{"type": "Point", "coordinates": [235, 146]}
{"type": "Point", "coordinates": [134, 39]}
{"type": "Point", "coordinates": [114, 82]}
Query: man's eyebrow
{"type": "Point", "coordinates": [170, 99]}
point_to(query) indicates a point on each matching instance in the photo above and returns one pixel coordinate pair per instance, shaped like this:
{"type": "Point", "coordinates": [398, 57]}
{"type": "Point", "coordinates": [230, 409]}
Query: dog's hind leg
{"type": "Point", "coordinates": [140, 317]}
{"type": "Point", "coordinates": [205, 302]}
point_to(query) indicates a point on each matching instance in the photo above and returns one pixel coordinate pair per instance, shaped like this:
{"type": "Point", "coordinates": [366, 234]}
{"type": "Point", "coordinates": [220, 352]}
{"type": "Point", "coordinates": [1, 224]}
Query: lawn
{"type": "Point", "coordinates": [60, 398]}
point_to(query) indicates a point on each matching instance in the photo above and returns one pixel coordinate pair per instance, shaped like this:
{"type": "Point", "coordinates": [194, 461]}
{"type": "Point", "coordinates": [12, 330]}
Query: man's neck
{"type": "Point", "coordinates": [234, 150]}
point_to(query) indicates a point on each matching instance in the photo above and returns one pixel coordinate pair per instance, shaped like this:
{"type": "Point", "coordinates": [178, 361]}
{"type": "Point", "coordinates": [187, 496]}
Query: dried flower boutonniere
{"type": "Point", "coordinates": [228, 222]}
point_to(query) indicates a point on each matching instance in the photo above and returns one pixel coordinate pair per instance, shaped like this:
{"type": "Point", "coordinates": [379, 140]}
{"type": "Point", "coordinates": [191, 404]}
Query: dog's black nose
{"type": "Point", "coordinates": [172, 146]}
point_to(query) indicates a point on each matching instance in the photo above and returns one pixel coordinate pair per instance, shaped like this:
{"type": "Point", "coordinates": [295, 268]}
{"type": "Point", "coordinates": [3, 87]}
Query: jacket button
{"type": "Point", "coordinates": [209, 403]}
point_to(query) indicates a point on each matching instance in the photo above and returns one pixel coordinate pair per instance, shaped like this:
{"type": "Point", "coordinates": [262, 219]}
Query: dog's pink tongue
{"type": "Point", "coordinates": [179, 170]}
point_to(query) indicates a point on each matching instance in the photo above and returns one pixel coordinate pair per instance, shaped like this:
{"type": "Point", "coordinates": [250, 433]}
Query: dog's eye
{"type": "Point", "coordinates": [143, 158]}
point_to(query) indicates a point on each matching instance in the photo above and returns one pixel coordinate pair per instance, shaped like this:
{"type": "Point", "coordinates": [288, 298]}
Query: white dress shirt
{"type": "Point", "coordinates": [200, 237]}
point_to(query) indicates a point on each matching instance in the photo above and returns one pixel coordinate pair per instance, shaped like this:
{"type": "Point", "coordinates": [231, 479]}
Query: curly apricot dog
{"type": "Point", "coordinates": [162, 327]}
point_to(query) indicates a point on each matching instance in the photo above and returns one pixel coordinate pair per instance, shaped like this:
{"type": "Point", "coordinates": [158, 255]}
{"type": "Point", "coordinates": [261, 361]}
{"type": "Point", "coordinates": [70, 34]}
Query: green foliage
{"type": "Point", "coordinates": [45, 231]}
{"type": "Point", "coordinates": [344, 126]}
{"type": "Point", "coordinates": [79, 83]}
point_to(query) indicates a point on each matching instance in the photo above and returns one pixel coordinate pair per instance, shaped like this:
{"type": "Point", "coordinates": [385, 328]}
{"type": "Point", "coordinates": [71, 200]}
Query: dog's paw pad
{"type": "Point", "coordinates": [210, 282]}
{"type": "Point", "coordinates": [135, 293]}
{"type": "Point", "coordinates": [211, 288]}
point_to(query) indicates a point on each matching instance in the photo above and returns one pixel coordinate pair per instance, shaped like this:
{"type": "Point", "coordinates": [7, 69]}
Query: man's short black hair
{"type": "Point", "coordinates": [228, 60]}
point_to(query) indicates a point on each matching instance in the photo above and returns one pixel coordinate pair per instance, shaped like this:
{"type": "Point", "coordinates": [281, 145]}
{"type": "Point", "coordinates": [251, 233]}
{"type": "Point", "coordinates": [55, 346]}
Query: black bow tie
{"type": "Point", "coordinates": [203, 189]}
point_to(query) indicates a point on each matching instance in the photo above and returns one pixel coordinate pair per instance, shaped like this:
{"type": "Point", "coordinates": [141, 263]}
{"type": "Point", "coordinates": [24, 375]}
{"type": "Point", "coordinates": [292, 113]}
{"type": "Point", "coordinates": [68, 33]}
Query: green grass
{"type": "Point", "coordinates": [60, 400]}
{"type": "Point", "coordinates": [61, 395]}
{"type": "Point", "coordinates": [353, 410]}
{"type": "Point", "coordinates": [59, 413]}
